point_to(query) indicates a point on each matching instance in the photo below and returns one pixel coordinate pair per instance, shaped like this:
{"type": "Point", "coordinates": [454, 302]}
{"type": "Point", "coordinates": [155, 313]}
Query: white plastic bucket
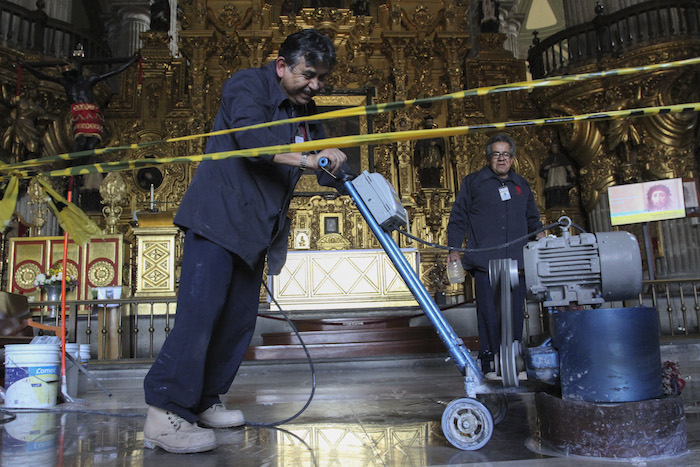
{"type": "Point", "coordinates": [72, 370]}
{"type": "Point", "coordinates": [84, 359]}
{"type": "Point", "coordinates": [32, 375]}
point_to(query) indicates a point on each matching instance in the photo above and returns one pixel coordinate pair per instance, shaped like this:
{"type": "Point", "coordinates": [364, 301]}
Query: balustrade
{"type": "Point", "coordinates": [34, 31]}
{"type": "Point", "coordinates": [114, 327]}
{"type": "Point", "coordinates": [611, 35]}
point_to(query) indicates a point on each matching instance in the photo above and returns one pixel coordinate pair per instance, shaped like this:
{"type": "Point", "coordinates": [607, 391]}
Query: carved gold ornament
{"type": "Point", "coordinates": [101, 273]}
{"type": "Point", "coordinates": [25, 275]}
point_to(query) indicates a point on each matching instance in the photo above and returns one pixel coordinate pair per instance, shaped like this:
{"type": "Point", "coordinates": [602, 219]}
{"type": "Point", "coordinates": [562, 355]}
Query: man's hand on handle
{"type": "Point", "coordinates": [336, 159]}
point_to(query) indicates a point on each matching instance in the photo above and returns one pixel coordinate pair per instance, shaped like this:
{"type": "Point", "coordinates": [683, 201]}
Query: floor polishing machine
{"type": "Point", "coordinates": [588, 269]}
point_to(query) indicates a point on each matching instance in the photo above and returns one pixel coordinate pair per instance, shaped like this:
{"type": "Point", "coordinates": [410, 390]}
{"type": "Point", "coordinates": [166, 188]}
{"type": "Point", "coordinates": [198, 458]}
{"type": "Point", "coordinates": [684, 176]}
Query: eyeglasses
{"type": "Point", "coordinates": [498, 155]}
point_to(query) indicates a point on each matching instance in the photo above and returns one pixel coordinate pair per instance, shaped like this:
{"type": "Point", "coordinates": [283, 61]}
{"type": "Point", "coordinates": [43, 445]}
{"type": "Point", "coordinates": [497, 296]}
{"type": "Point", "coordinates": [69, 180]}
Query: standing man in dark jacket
{"type": "Point", "coordinates": [234, 214]}
{"type": "Point", "coordinates": [494, 206]}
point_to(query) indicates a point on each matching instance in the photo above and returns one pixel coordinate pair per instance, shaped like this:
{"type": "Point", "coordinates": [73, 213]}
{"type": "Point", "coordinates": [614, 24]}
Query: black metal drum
{"type": "Point", "coordinates": [609, 354]}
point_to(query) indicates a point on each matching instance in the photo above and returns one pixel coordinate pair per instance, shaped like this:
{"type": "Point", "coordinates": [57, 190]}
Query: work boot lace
{"type": "Point", "coordinates": [216, 407]}
{"type": "Point", "coordinates": [175, 420]}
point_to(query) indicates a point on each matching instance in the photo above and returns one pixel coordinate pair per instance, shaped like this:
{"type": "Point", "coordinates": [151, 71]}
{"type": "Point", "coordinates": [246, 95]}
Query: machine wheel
{"type": "Point", "coordinates": [467, 424]}
{"type": "Point", "coordinates": [497, 405]}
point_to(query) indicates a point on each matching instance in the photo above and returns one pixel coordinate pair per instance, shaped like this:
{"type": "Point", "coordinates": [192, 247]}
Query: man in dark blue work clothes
{"type": "Point", "coordinates": [494, 206]}
{"type": "Point", "coordinates": [234, 214]}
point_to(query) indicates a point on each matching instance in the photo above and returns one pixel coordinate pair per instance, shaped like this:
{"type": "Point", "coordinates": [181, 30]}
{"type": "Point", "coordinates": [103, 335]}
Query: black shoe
{"type": "Point", "coordinates": [486, 359]}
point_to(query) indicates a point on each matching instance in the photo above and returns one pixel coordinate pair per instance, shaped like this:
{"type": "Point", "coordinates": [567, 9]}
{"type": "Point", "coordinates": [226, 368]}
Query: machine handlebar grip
{"type": "Point", "coordinates": [340, 174]}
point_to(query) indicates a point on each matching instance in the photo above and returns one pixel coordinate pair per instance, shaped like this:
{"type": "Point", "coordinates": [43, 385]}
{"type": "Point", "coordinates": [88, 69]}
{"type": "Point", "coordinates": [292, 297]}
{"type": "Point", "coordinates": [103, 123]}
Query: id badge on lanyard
{"type": "Point", "coordinates": [505, 194]}
{"type": "Point", "coordinates": [301, 134]}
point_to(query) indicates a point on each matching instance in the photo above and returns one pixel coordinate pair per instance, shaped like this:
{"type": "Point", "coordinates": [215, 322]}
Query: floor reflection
{"type": "Point", "coordinates": [364, 414]}
{"type": "Point", "coordinates": [31, 438]}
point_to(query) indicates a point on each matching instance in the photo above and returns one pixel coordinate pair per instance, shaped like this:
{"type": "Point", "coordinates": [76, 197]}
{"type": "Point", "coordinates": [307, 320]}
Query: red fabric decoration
{"type": "Point", "coordinates": [87, 119]}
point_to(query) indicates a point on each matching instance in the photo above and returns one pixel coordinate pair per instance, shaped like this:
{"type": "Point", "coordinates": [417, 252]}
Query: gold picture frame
{"type": "Point", "coordinates": [359, 158]}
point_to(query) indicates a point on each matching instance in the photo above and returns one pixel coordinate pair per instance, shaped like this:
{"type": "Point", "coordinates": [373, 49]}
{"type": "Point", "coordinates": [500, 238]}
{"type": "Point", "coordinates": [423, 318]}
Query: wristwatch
{"type": "Point", "coordinates": [302, 162]}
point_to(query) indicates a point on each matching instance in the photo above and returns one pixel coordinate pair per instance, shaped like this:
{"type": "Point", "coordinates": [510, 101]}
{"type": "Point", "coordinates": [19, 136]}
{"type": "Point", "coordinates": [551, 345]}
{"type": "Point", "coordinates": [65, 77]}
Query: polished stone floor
{"type": "Point", "coordinates": [367, 412]}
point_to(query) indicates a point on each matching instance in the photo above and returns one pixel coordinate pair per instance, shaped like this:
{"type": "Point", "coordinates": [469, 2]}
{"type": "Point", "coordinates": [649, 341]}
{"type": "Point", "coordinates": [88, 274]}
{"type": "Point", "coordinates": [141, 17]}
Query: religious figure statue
{"type": "Point", "coordinates": [88, 122]}
{"type": "Point", "coordinates": [559, 175]}
{"type": "Point", "coordinates": [22, 136]}
{"type": "Point", "coordinates": [360, 7]}
{"type": "Point", "coordinates": [160, 15]}
{"type": "Point", "coordinates": [428, 158]}
{"type": "Point", "coordinates": [291, 7]}
{"type": "Point", "coordinates": [489, 15]}
{"type": "Point", "coordinates": [87, 119]}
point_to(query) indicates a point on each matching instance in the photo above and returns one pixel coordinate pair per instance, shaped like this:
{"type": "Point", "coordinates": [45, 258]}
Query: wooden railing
{"type": "Point", "coordinates": [33, 31]}
{"type": "Point", "coordinates": [611, 35]}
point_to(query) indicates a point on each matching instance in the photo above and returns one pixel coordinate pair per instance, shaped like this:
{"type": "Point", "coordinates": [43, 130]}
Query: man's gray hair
{"type": "Point", "coordinates": [500, 138]}
{"type": "Point", "coordinates": [315, 47]}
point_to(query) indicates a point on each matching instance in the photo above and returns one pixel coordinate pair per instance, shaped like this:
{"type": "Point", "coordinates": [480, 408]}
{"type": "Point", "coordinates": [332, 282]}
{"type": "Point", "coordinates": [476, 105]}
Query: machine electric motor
{"type": "Point", "coordinates": [585, 269]}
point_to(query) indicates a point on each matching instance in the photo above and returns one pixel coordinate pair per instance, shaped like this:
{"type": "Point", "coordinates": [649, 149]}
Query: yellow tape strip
{"type": "Point", "coordinates": [371, 109]}
{"type": "Point", "coordinates": [376, 138]}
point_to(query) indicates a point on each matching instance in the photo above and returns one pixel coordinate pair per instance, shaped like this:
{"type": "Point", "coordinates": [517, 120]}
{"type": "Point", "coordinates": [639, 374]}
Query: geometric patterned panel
{"type": "Point", "coordinates": [156, 261]}
{"type": "Point", "coordinates": [342, 279]}
{"type": "Point", "coordinates": [156, 257]}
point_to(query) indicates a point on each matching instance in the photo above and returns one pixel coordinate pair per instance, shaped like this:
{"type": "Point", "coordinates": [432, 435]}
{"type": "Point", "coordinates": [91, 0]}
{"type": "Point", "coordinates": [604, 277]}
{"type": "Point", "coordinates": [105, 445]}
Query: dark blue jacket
{"type": "Point", "coordinates": [480, 215]}
{"type": "Point", "coordinates": [241, 203]}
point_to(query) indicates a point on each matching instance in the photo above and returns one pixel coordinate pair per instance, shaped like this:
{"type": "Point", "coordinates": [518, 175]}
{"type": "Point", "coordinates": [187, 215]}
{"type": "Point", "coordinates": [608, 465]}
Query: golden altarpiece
{"type": "Point", "coordinates": [401, 50]}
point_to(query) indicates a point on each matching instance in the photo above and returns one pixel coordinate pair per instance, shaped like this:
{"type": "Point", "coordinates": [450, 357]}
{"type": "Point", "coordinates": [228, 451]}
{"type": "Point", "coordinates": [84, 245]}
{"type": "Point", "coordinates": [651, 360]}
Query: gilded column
{"type": "Point", "coordinates": [258, 45]}
{"type": "Point", "coordinates": [394, 46]}
{"type": "Point", "coordinates": [197, 46]}
{"type": "Point", "coordinates": [454, 48]}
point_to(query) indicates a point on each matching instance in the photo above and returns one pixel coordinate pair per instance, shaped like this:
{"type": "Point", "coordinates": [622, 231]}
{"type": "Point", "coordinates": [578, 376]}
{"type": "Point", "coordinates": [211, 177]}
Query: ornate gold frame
{"type": "Point", "coordinates": [333, 101]}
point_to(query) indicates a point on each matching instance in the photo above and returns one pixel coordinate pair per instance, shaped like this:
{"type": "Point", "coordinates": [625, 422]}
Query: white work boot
{"type": "Point", "coordinates": [217, 416]}
{"type": "Point", "coordinates": [173, 433]}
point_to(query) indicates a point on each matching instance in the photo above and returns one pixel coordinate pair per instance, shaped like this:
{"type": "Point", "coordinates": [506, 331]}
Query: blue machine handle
{"type": "Point", "coordinates": [455, 346]}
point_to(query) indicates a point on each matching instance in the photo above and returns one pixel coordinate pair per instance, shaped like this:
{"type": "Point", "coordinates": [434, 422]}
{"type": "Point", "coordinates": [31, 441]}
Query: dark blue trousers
{"type": "Point", "coordinates": [217, 306]}
{"type": "Point", "coordinates": [488, 316]}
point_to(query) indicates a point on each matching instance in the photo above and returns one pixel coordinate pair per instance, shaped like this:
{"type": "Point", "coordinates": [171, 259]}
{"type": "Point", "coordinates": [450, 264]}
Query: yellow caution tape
{"type": "Point", "coordinates": [9, 200]}
{"type": "Point", "coordinates": [71, 218]}
{"type": "Point", "coordinates": [376, 138]}
{"type": "Point", "coordinates": [371, 109]}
